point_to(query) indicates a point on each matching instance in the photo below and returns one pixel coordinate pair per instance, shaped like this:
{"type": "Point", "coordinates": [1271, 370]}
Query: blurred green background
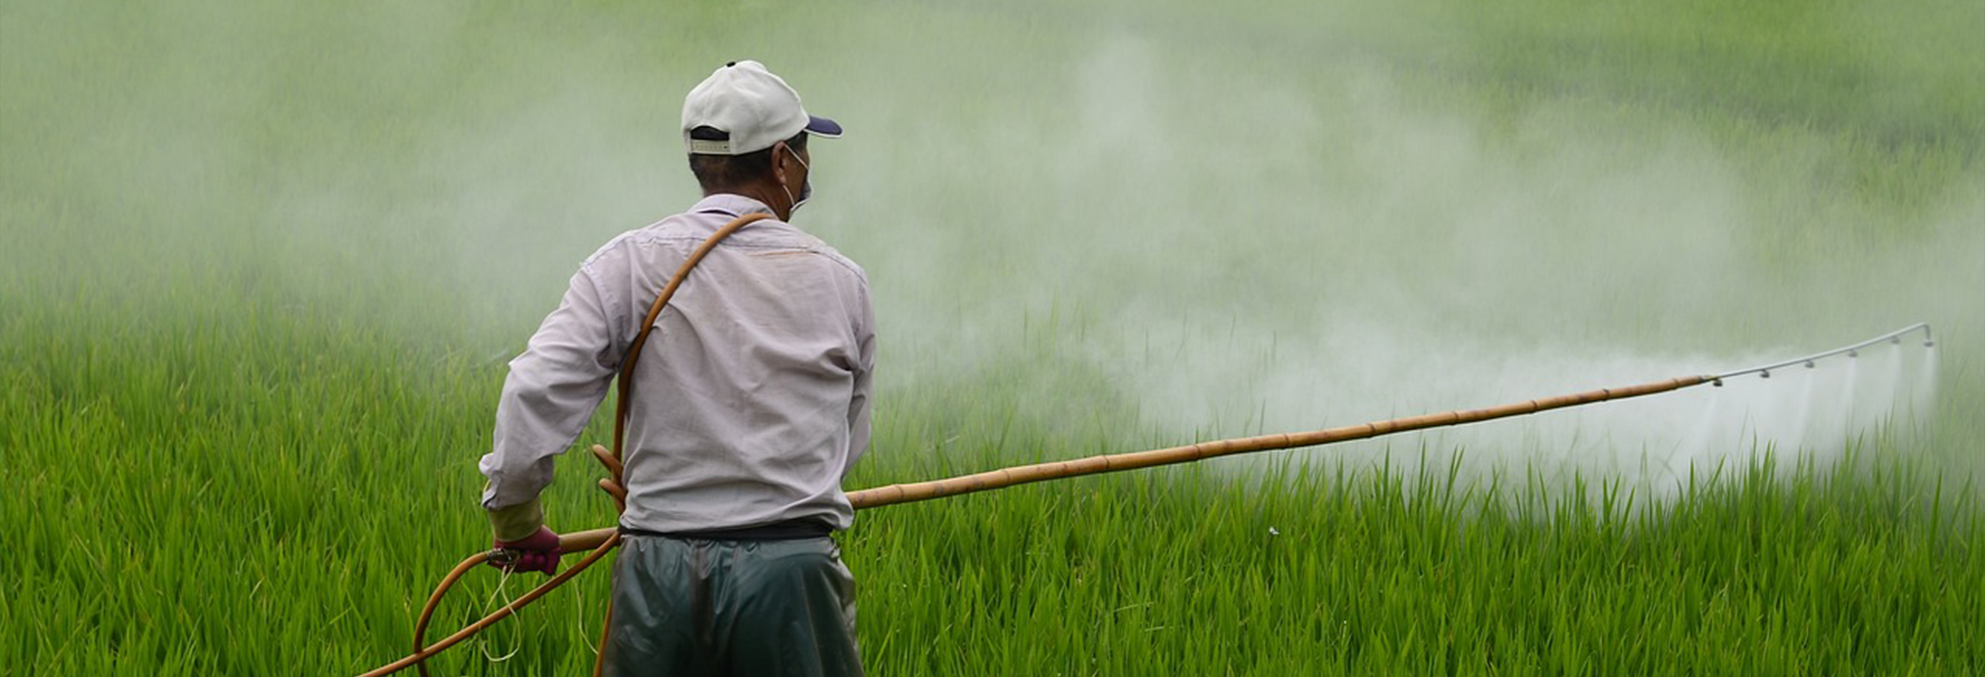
{"type": "Point", "coordinates": [261, 265]}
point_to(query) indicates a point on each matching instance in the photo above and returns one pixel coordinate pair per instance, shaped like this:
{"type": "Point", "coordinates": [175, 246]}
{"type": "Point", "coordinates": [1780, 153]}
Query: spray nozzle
{"type": "Point", "coordinates": [1811, 361]}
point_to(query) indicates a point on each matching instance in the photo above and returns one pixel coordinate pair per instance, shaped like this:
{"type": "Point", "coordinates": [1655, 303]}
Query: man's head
{"type": "Point", "coordinates": [746, 134]}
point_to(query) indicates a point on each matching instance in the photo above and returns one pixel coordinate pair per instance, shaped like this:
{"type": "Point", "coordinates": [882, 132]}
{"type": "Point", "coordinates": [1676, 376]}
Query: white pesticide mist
{"type": "Point", "coordinates": [1283, 247]}
{"type": "Point", "coordinates": [1087, 229]}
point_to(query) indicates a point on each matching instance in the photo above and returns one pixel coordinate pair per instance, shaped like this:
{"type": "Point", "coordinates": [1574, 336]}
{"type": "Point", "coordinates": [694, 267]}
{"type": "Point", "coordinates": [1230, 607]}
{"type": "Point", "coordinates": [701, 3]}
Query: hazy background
{"type": "Point", "coordinates": [1141, 223]}
{"type": "Point", "coordinates": [261, 266]}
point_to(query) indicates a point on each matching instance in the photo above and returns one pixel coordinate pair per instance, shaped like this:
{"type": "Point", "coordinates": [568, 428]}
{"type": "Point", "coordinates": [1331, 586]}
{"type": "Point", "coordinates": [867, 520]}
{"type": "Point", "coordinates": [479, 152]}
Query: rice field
{"type": "Point", "coordinates": [261, 267]}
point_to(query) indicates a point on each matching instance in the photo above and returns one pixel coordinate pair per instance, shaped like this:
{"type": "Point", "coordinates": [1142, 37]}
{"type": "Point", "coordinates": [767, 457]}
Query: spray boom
{"type": "Point", "coordinates": [1894, 337]}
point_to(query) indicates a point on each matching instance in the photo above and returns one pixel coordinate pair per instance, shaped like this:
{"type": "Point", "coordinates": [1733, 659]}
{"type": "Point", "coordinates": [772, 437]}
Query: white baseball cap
{"type": "Point", "coordinates": [751, 104]}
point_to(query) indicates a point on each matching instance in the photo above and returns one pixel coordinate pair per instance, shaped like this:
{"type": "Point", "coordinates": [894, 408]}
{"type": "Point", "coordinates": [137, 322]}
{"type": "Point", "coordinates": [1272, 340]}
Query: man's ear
{"type": "Point", "coordinates": [779, 154]}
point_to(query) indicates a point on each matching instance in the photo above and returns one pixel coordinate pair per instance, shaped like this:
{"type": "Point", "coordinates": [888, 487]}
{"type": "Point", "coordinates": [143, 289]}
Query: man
{"type": "Point", "coordinates": [751, 401]}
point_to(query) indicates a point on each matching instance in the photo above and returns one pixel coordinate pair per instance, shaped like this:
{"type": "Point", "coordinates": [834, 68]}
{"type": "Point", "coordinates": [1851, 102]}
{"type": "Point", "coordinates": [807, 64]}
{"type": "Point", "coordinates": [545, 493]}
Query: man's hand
{"type": "Point", "coordinates": [537, 552]}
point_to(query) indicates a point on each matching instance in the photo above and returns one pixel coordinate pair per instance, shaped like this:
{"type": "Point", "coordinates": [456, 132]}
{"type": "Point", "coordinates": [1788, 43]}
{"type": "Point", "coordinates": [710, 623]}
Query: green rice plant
{"type": "Point", "coordinates": [260, 267]}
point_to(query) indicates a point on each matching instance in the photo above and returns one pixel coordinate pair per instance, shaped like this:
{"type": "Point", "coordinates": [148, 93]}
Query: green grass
{"type": "Point", "coordinates": [268, 515]}
{"type": "Point", "coordinates": [260, 267]}
{"type": "Point", "coordinates": [1327, 573]}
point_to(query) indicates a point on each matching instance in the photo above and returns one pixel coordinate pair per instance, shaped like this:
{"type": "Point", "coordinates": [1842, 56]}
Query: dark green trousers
{"type": "Point", "coordinates": [692, 607]}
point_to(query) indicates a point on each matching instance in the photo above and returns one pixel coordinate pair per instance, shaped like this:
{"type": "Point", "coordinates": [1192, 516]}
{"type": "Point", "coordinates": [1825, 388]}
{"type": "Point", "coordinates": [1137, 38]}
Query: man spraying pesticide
{"type": "Point", "coordinates": [754, 403]}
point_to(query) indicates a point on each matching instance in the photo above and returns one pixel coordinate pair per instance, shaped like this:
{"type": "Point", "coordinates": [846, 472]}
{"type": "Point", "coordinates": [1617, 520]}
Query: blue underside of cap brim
{"type": "Point", "coordinates": [819, 126]}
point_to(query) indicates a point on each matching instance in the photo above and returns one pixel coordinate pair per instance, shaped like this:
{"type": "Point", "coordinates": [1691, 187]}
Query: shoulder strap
{"type": "Point", "coordinates": [634, 349]}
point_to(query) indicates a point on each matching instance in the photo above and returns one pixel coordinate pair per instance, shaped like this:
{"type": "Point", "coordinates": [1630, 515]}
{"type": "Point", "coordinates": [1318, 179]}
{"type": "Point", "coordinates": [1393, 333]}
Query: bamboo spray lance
{"type": "Point", "coordinates": [597, 543]}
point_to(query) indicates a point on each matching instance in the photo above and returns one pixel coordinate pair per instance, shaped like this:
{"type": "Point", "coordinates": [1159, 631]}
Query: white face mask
{"type": "Point", "coordinates": [806, 189]}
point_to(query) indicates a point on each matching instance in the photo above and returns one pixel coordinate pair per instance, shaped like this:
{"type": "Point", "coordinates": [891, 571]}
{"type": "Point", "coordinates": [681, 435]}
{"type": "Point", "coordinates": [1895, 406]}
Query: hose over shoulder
{"type": "Point", "coordinates": [598, 541]}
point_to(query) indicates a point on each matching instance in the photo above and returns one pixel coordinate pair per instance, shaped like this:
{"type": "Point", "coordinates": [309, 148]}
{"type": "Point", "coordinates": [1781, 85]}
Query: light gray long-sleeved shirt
{"type": "Point", "coordinates": [751, 397]}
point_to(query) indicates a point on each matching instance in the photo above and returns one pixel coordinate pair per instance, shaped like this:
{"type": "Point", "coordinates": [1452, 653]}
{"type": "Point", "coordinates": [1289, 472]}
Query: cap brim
{"type": "Point", "coordinates": [819, 126]}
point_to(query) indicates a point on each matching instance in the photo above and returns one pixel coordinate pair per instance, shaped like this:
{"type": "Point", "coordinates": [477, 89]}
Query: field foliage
{"type": "Point", "coordinates": [261, 266]}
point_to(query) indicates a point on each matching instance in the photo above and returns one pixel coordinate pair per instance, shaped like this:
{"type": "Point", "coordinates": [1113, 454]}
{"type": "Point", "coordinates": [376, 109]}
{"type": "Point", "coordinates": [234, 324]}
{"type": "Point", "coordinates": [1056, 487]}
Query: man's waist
{"type": "Point", "coordinates": [787, 530]}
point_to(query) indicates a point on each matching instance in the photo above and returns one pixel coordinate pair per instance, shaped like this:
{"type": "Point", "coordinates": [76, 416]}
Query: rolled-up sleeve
{"type": "Point", "coordinates": [551, 392]}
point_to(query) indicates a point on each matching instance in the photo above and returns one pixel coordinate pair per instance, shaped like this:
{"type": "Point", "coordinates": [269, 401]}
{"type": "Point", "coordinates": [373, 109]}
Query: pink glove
{"type": "Point", "coordinates": [537, 552]}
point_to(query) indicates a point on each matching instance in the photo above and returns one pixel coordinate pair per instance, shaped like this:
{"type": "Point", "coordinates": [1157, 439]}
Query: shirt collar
{"type": "Point", "coordinates": [730, 204]}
